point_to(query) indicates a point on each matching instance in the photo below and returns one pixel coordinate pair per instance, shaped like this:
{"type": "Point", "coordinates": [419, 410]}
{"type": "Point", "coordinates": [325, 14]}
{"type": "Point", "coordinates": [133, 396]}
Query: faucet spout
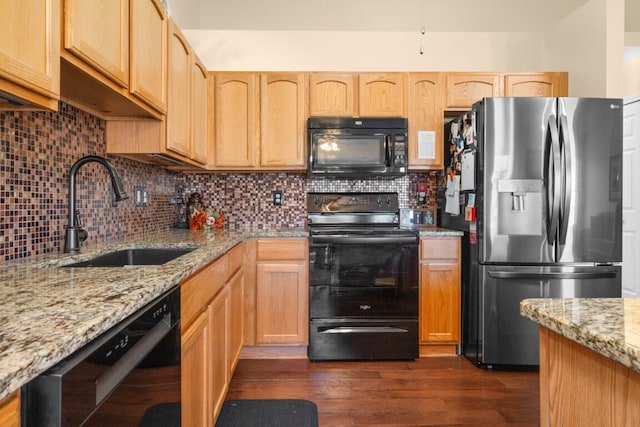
{"type": "Point", "coordinates": [71, 238]}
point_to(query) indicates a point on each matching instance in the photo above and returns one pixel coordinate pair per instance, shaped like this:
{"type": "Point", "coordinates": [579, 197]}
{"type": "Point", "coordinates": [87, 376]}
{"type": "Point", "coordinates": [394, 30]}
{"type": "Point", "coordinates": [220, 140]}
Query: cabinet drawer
{"type": "Point", "coordinates": [197, 290]}
{"type": "Point", "coordinates": [236, 258]}
{"type": "Point", "coordinates": [440, 248]}
{"type": "Point", "coordinates": [281, 249]}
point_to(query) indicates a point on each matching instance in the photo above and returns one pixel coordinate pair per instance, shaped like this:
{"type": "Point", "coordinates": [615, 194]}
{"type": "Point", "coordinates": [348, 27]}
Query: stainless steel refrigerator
{"type": "Point", "coordinates": [535, 185]}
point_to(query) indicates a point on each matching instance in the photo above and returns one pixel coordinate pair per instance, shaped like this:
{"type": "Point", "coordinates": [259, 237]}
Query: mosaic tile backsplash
{"type": "Point", "coordinates": [37, 149]}
{"type": "Point", "coordinates": [247, 199]}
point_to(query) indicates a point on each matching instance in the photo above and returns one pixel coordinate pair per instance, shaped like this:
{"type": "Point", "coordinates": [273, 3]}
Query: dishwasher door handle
{"type": "Point", "coordinates": [112, 377]}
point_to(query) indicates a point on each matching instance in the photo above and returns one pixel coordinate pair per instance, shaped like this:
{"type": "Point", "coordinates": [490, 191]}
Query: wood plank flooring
{"type": "Point", "coordinates": [432, 391]}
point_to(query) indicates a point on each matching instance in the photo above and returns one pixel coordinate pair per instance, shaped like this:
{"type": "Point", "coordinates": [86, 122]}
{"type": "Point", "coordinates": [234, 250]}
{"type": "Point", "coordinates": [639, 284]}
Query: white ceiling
{"type": "Point", "coordinates": [382, 15]}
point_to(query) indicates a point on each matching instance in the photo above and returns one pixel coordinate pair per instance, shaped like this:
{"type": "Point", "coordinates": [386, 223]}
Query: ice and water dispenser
{"type": "Point", "coordinates": [520, 206]}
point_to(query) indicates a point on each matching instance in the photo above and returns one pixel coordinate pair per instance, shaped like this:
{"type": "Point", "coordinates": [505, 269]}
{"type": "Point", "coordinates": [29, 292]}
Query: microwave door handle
{"type": "Point", "coordinates": [387, 146]}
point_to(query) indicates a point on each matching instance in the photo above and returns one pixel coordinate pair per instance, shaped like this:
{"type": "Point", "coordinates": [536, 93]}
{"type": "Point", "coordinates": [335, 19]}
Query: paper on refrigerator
{"type": "Point", "coordinates": [452, 199]}
{"type": "Point", "coordinates": [467, 171]}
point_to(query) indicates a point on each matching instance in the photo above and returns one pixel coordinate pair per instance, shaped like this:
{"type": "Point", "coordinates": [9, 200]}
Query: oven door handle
{"type": "Point", "coordinates": [111, 378]}
{"type": "Point", "coordinates": [349, 239]}
{"type": "Point", "coordinates": [365, 330]}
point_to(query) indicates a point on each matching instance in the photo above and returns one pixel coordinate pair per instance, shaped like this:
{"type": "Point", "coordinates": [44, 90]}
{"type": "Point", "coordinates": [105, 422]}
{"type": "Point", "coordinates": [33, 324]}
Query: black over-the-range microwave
{"type": "Point", "coordinates": [356, 147]}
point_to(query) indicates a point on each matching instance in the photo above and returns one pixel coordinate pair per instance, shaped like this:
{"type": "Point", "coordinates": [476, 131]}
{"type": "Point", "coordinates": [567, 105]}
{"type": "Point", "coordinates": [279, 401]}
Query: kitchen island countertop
{"type": "Point", "coordinates": [608, 326]}
{"type": "Point", "coordinates": [47, 312]}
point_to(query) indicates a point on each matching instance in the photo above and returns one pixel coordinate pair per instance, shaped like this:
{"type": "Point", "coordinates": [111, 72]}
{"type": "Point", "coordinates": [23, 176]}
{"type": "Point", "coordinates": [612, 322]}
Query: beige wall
{"type": "Point", "coordinates": [587, 40]}
{"type": "Point", "coordinates": [632, 77]}
{"type": "Point", "coordinates": [367, 51]}
{"type": "Point", "coordinates": [589, 44]}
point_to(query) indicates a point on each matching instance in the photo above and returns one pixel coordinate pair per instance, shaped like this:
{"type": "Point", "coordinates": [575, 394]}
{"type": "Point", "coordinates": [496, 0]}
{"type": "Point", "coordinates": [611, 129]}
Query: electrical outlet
{"type": "Point", "coordinates": [141, 196]}
{"type": "Point", "coordinates": [278, 198]}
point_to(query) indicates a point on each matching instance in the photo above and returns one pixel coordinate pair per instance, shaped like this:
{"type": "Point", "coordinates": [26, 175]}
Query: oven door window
{"type": "Point", "coordinates": [349, 150]}
{"type": "Point", "coordinates": [363, 280]}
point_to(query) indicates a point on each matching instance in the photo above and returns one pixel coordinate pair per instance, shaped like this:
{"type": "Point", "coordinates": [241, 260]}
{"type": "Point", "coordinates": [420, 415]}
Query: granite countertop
{"type": "Point", "coordinates": [433, 231]}
{"type": "Point", "coordinates": [47, 313]}
{"type": "Point", "coordinates": [609, 326]}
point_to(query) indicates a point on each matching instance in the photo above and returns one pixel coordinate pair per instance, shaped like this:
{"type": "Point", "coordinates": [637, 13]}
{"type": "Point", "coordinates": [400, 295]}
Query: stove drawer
{"type": "Point", "coordinates": [365, 339]}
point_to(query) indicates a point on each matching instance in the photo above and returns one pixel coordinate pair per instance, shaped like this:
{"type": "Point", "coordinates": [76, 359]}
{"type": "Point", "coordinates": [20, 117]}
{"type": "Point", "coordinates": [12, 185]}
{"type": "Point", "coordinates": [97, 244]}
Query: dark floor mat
{"type": "Point", "coordinates": [268, 413]}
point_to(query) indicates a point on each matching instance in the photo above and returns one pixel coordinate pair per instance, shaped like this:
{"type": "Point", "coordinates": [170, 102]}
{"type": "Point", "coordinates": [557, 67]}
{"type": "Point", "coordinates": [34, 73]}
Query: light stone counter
{"type": "Point", "coordinates": [608, 326]}
{"type": "Point", "coordinates": [47, 312]}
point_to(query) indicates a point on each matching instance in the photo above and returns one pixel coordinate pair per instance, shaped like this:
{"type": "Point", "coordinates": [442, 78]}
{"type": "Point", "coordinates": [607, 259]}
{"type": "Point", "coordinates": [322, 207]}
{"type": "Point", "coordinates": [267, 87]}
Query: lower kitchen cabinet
{"type": "Point", "coordinates": [212, 332]}
{"type": "Point", "coordinates": [282, 291]}
{"type": "Point", "coordinates": [10, 410]}
{"type": "Point", "coordinates": [195, 375]}
{"type": "Point", "coordinates": [218, 314]}
{"type": "Point", "coordinates": [440, 290]}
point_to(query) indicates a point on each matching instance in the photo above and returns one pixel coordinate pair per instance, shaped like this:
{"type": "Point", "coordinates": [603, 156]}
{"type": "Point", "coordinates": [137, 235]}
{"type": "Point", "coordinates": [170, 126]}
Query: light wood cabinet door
{"type": "Point", "coordinates": [179, 100]}
{"type": "Point", "coordinates": [440, 302]}
{"type": "Point", "coordinates": [463, 89]}
{"type": "Point", "coordinates": [218, 313]}
{"type": "Point", "coordinates": [283, 106]}
{"type": "Point", "coordinates": [332, 94]}
{"type": "Point", "coordinates": [97, 32]}
{"type": "Point", "coordinates": [536, 84]}
{"type": "Point", "coordinates": [440, 290]}
{"type": "Point", "coordinates": [195, 356]}
{"type": "Point", "coordinates": [236, 120]}
{"type": "Point", "coordinates": [381, 94]}
{"type": "Point", "coordinates": [199, 139]}
{"type": "Point", "coordinates": [30, 59]}
{"type": "Point", "coordinates": [236, 318]}
{"type": "Point", "coordinates": [10, 410]}
{"type": "Point", "coordinates": [281, 302]}
{"type": "Point", "coordinates": [425, 114]}
{"type": "Point", "coordinates": [148, 43]}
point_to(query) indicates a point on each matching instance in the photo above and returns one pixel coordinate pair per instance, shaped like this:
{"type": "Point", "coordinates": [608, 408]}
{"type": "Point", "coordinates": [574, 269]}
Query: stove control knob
{"type": "Point", "coordinates": [388, 200]}
{"type": "Point", "coordinates": [326, 200]}
{"type": "Point", "coordinates": [316, 200]}
{"type": "Point", "coordinates": [379, 201]}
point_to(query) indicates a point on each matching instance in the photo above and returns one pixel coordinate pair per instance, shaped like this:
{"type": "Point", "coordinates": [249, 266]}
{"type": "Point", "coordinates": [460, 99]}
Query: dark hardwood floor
{"type": "Point", "coordinates": [432, 391]}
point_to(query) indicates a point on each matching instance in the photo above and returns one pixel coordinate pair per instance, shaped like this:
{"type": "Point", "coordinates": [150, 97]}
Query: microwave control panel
{"type": "Point", "coordinates": [400, 150]}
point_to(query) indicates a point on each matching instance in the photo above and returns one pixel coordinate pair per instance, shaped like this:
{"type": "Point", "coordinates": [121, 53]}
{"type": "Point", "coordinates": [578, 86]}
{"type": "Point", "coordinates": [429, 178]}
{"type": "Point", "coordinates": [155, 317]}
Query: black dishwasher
{"type": "Point", "coordinates": [129, 376]}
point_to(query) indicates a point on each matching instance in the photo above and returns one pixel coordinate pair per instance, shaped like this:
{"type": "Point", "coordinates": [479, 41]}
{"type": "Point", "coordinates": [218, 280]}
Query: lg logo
{"type": "Point", "coordinates": [365, 307]}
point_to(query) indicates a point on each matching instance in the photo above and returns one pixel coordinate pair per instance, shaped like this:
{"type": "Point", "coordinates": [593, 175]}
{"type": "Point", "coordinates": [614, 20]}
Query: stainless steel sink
{"type": "Point", "coordinates": [131, 257]}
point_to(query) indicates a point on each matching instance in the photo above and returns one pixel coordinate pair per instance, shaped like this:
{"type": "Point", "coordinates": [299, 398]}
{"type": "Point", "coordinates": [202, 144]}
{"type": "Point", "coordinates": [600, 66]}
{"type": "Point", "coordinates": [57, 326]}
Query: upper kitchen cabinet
{"type": "Point", "coordinates": [179, 75]}
{"type": "Point", "coordinates": [148, 33]}
{"type": "Point", "coordinates": [259, 121]}
{"type": "Point", "coordinates": [463, 89]}
{"type": "Point", "coordinates": [199, 112]}
{"type": "Point", "coordinates": [180, 140]}
{"type": "Point", "coordinates": [114, 57]}
{"type": "Point", "coordinates": [283, 106]}
{"type": "Point", "coordinates": [97, 32]}
{"type": "Point", "coordinates": [536, 84]}
{"type": "Point", "coordinates": [29, 59]}
{"type": "Point", "coordinates": [236, 120]}
{"type": "Point", "coordinates": [332, 94]}
{"type": "Point", "coordinates": [357, 94]}
{"type": "Point", "coordinates": [381, 94]}
{"type": "Point", "coordinates": [425, 114]}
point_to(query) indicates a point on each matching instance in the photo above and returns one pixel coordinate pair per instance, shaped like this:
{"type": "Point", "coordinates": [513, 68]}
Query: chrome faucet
{"type": "Point", "coordinates": [74, 233]}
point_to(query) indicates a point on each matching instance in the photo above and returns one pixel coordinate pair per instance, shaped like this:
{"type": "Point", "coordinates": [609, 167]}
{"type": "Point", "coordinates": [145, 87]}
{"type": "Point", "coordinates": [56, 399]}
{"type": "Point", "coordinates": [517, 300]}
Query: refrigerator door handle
{"type": "Point", "coordinates": [565, 208]}
{"type": "Point", "coordinates": [552, 178]}
{"type": "Point", "coordinates": [552, 275]}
